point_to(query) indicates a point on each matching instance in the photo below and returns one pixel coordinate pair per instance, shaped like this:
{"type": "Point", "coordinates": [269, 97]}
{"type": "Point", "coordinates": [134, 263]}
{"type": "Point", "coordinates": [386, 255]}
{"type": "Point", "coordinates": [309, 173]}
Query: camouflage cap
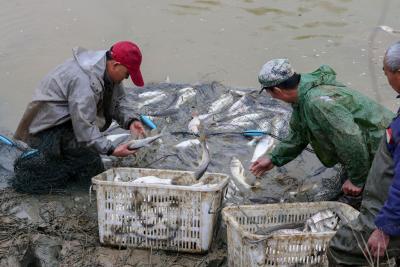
{"type": "Point", "coordinates": [274, 72]}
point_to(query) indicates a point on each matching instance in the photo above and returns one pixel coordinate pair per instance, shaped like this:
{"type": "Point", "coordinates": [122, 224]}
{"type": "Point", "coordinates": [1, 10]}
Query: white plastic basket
{"type": "Point", "coordinates": [169, 217]}
{"type": "Point", "coordinates": [248, 249]}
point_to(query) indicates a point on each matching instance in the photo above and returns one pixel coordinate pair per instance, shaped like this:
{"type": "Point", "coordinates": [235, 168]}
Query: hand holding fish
{"type": "Point", "coordinates": [350, 189]}
{"type": "Point", "coordinates": [378, 242]}
{"type": "Point", "coordinates": [137, 129]}
{"type": "Point", "coordinates": [261, 165]}
{"type": "Point", "coordinates": [123, 151]}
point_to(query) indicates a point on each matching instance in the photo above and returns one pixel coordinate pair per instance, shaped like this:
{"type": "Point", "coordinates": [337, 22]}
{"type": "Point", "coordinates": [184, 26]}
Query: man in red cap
{"type": "Point", "coordinates": [70, 109]}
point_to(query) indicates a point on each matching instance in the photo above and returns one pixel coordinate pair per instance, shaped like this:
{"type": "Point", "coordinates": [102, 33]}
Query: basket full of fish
{"type": "Point", "coordinates": [284, 234]}
{"type": "Point", "coordinates": [159, 209]}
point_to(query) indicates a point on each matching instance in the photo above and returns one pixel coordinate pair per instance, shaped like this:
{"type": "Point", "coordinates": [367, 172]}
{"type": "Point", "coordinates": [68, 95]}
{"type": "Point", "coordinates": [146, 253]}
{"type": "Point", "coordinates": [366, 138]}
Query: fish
{"type": "Point", "coordinates": [305, 188]}
{"type": "Point", "coordinates": [322, 221]}
{"type": "Point", "coordinates": [262, 147]}
{"type": "Point", "coordinates": [254, 141]}
{"type": "Point", "coordinates": [225, 100]}
{"type": "Point", "coordinates": [186, 94]}
{"type": "Point", "coordinates": [238, 176]}
{"type": "Point", "coordinates": [264, 200]}
{"type": "Point", "coordinates": [153, 100]}
{"type": "Point", "coordinates": [242, 105]}
{"type": "Point", "coordinates": [194, 124]}
{"type": "Point", "coordinates": [205, 159]}
{"type": "Point", "coordinates": [151, 180]}
{"type": "Point", "coordinates": [281, 228]}
{"type": "Point", "coordinates": [239, 121]}
{"type": "Point", "coordinates": [150, 94]}
{"type": "Point", "coordinates": [188, 143]}
{"type": "Point", "coordinates": [139, 143]}
{"type": "Point", "coordinates": [114, 137]}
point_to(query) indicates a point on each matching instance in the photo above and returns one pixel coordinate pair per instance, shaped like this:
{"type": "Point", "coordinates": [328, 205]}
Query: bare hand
{"type": "Point", "coordinates": [377, 243]}
{"type": "Point", "coordinates": [350, 189]}
{"type": "Point", "coordinates": [137, 129]}
{"type": "Point", "coordinates": [261, 165]}
{"type": "Point", "coordinates": [123, 151]}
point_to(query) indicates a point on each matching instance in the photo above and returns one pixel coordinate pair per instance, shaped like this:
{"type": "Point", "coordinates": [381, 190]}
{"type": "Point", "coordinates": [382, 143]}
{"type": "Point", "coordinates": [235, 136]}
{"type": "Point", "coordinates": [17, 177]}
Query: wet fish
{"type": "Point", "coordinates": [238, 176]}
{"type": "Point", "coordinates": [188, 143]}
{"type": "Point", "coordinates": [153, 100]}
{"type": "Point", "coordinates": [186, 94]}
{"type": "Point", "coordinates": [284, 228]}
{"type": "Point", "coordinates": [205, 159]}
{"type": "Point", "coordinates": [322, 221]}
{"type": "Point", "coordinates": [239, 121]}
{"type": "Point", "coordinates": [254, 141]}
{"type": "Point", "coordinates": [242, 105]}
{"type": "Point", "coordinates": [136, 144]}
{"type": "Point", "coordinates": [151, 180]}
{"type": "Point", "coordinates": [303, 189]}
{"type": "Point", "coordinates": [262, 147]}
{"type": "Point", "coordinates": [114, 137]}
{"type": "Point", "coordinates": [225, 100]}
{"type": "Point", "coordinates": [264, 200]}
{"type": "Point", "coordinates": [149, 94]}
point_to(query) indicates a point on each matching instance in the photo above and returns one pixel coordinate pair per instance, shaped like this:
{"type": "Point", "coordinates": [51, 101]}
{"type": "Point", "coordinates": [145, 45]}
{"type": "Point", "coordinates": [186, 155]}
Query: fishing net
{"type": "Point", "coordinates": [57, 160]}
{"type": "Point", "coordinates": [224, 112]}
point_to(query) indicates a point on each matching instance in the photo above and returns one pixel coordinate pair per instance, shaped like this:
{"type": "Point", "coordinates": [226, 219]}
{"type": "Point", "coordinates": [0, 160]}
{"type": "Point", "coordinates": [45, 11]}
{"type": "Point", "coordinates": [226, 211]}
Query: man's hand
{"type": "Point", "coordinates": [137, 129]}
{"type": "Point", "coordinates": [350, 189]}
{"type": "Point", "coordinates": [123, 151]}
{"type": "Point", "coordinates": [261, 165]}
{"type": "Point", "coordinates": [377, 243]}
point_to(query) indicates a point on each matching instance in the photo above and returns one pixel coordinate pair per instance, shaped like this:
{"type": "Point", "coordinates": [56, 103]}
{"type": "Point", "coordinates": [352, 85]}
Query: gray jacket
{"type": "Point", "coordinates": [74, 91]}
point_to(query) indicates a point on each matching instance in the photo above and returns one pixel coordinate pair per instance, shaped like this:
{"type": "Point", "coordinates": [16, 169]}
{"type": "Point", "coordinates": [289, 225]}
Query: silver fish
{"type": "Point", "coordinates": [284, 226]}
{"type": "Point", "coordinates": [242, 105]}
{"type": "Point", "coordinates": [136, 144]}
{"type": "Point", "coordinates": [262, 147]}
{"type": "Point", "coordinates": [186, 94]}
{"type": "Point", "coordinates": [242, 182]}
{"type": "Point", "coordinates": [114, 137]}
{"type": "Point", "coordinates": [188, 143]}
{"type": "Point", "coordinates": [149, 94]}
{"type": "Point", "coordinates": [153, 100]}
{"type": "Point", "coordinates": [221, 103]}
{"type": "Point", "coordinates": [322, 221]}
{"type": "Point", "coordinates": [205, 159]}
{"type": "Point", "coordinates": [246, 118]}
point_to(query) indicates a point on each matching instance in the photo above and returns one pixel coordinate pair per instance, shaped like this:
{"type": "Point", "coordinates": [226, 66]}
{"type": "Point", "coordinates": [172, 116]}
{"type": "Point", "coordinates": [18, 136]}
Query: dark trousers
{"type": "Point", "coordinates": [61, 159]}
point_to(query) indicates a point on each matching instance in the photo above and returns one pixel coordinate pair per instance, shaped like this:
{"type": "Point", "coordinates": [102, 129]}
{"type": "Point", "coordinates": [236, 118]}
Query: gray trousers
{"type": "Point", "coordinates": [61, 159]}
{"type": "Point", "coordinates": [347, 246]}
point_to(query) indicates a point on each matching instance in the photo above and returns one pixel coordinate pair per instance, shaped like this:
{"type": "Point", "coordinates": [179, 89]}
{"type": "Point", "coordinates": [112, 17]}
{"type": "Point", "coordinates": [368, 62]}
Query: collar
{"type": "Point", "coordinates": [108, 83]}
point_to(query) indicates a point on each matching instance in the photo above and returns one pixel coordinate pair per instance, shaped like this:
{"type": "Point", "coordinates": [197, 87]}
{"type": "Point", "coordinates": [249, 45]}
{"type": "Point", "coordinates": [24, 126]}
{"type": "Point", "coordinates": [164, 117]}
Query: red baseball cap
{"type": "Point", "coordinates": [129, 55]}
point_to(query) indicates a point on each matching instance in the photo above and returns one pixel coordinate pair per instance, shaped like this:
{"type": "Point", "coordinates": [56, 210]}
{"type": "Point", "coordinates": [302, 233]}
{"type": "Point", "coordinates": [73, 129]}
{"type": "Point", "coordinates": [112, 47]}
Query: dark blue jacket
{"type": "Point", "coordinates": [388, 219]}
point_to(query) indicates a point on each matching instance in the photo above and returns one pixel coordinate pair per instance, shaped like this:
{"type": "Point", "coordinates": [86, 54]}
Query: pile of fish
{"type": "Point", "coordinates": [203, 128]}
{"type": "Point", "coordinates": [320, 222]}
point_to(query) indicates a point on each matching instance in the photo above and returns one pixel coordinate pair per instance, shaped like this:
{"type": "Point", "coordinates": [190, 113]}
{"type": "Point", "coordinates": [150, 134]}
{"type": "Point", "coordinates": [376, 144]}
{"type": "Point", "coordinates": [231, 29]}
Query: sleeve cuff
{"type": "Point", "coordinates": [110, 150]}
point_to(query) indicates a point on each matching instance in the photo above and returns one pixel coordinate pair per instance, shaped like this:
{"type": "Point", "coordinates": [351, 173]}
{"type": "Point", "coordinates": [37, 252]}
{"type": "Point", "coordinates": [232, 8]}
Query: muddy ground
{"type": "Point", "coordinates": [62, 230]}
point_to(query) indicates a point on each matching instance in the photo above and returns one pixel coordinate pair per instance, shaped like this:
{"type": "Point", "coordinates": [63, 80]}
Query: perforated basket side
{"type": "Point", "coordinates": [248, 249]}
{"type": "Point", "coordinates": [161, 218]}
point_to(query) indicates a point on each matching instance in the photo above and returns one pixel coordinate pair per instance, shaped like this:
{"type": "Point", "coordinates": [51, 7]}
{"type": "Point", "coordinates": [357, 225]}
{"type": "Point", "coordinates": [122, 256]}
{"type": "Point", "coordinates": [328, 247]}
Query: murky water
{"type": "Point", "coordinates": [192, 40]}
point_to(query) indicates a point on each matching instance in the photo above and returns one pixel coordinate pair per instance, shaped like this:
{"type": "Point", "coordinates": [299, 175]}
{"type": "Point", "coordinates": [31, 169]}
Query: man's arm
{"type": "Point", "coordinates": [388, 219]}
{"type": "Point", "coordinates": [339, 128]}
{"type": "Point", "coordinates": [289, 148]}
{"type": "Point", "coordinates": [83, 110]}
